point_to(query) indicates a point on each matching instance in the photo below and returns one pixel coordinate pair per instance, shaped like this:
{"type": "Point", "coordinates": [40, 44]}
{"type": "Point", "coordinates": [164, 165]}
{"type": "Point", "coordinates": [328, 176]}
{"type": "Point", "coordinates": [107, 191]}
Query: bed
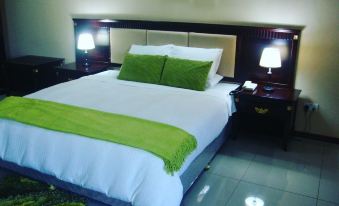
{"type": "Point", "coordinates": [133, 176]}
{"type": "Point", "coordinates": [65, 156]}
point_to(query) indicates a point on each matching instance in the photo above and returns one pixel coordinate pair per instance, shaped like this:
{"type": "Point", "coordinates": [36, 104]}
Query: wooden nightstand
{"type": "Point", "coordinates": [73, 71]}
{"type": "Point", "coordinates": [30, 73]}
{"type": "Point", "coordinates": [273, 112]}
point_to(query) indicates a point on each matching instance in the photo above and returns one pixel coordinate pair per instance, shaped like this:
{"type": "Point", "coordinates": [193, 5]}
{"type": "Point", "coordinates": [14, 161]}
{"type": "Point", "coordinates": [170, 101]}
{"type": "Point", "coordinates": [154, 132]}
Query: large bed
{"type": "Point", "coordinates": [113, 173]}
{"type": "Point", "coordinates": [118, 171]}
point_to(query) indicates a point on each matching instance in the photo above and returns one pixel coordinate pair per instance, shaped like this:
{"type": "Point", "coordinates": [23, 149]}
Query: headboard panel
{"type": "Point", "coordinates": [156, 37]}
{"type": "Point", "coordinates": [122, 39]}
{"type": "Point", "coordinates": [226, 42]}
{"type": "Point", "coordinates": [250, 41]}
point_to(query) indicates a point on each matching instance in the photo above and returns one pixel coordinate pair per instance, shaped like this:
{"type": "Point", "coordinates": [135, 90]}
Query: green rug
{"type": "Point", "coordinates": [20, 191]}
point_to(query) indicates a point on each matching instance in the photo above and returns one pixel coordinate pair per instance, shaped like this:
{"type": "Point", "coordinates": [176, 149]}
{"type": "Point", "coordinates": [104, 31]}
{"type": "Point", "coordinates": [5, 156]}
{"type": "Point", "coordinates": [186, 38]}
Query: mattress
{"type": "Point", "coordinates": [118, 171]}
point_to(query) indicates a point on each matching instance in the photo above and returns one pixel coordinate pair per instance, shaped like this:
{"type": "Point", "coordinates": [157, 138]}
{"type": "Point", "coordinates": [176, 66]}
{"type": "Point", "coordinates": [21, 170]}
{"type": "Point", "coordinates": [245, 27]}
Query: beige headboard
{"type": "Point", "coordinates": [227, 42]}
{"type": "Point", "coordinates": [122, 39]}
{"type": "Point", "coordinates": [155, 37]}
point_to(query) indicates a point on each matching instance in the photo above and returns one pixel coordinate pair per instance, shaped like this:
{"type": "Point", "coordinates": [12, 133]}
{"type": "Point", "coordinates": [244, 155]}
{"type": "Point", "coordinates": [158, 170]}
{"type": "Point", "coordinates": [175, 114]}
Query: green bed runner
{"type": "Point", "coordinates": [170, 143]}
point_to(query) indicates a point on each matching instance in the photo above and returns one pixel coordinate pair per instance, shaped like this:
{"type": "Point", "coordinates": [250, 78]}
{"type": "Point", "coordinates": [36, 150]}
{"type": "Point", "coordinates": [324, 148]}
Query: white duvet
{"type": "Point", "coordinates": [118, 171]}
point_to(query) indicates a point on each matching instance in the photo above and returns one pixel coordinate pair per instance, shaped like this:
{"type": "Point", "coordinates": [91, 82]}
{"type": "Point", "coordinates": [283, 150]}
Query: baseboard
{"type": "Point", "coordinates": [316, 137]}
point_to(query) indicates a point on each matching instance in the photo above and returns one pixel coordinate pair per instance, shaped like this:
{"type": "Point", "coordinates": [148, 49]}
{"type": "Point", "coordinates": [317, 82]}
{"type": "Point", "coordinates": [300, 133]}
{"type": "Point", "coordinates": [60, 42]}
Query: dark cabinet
{"type": "Point", "coordinates": [30, 73]}
{"type": "Point", "coordinates": [73, 71]}
{"type": "Point", "coordinates": [267, 112]}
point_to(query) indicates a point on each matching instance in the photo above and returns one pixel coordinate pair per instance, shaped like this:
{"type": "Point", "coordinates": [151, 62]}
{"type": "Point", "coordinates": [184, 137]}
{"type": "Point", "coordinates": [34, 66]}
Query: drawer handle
{"type": "Point", "coordinates": [261, 110]}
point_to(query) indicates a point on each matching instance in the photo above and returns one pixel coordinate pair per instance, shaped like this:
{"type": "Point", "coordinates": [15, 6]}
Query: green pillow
{"type": "Point", "coordinates": [184, 73]}
{"type": "Point", "coordinates": [142, 68]}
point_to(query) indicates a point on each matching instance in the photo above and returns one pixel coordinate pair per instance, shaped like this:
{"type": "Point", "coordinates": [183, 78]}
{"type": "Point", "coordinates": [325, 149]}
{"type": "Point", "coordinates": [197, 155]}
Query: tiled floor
{"type": "Point", "coordinates": [251, 166]}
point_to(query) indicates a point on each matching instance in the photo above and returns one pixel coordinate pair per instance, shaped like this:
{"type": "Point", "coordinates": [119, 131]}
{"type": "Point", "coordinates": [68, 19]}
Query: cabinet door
{"type": "Point", "coordinates": [21, 79]}
{"type": "Point", "coordinates": [44, 77]}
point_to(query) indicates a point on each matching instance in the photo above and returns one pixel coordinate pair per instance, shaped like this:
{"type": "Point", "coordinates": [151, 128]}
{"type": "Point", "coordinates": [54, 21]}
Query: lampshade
{"type": "Point", "coordinates": [85, 41]}
{"type": "Point", "coordinates": [270, 58]}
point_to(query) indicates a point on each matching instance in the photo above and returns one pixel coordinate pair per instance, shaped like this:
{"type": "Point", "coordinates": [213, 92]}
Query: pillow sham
{"type": "Point", "coordinates": [142, 68]}
{"type": "Point", "coordinates": [184, 73]}
{"type": "Point", "coordinates": [199, 54]}
{"type": "Point", "coordinates": [151, 50]}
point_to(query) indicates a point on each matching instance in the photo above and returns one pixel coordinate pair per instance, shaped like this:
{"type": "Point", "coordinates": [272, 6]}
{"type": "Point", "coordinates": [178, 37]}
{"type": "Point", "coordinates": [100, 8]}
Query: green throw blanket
{"type": "Point", "coordinates": [168, 142]}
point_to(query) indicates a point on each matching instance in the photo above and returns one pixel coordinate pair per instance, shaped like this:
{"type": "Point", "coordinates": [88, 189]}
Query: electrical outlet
{"type": "Point", "coordinates": [311, 107]}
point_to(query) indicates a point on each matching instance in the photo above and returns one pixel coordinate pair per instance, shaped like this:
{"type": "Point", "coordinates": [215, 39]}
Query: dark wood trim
{"type": "Point", "coordinates": [250, 42]}
{"type": "Point", "coordinates": [318, 137]}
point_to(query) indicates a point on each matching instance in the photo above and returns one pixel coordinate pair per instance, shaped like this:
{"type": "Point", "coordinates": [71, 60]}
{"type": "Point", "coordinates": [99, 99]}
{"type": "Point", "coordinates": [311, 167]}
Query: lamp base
{"type": "Point", "coordinates": [85, 61]}
{"type": "Point", "coordinates": [268, 89]}
{"type": "Point", "coordinates": [86, 64]}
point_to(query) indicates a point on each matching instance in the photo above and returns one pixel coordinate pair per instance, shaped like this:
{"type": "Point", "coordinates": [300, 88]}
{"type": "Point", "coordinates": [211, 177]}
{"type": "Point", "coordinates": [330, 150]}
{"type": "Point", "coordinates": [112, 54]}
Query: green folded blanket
{"type": "Point", "coordinates": [170, 143]}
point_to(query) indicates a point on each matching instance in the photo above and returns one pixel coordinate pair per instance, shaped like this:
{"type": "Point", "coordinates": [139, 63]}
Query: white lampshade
{"type": "Point", "coordinates": [85, 41]}
{"type": "Point", "coordinates": [270, 58]}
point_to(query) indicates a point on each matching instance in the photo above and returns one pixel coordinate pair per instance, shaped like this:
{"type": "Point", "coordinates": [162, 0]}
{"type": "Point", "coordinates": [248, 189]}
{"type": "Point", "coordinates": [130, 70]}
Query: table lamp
{"type": "Point", "coordinates": [86, 42]}
{"type": "Point", "coordinates": [270, 58]}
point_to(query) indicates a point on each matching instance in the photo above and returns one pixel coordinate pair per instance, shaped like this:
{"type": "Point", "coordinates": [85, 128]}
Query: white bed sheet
{"type": "Point", "coordinates": [119, 171]}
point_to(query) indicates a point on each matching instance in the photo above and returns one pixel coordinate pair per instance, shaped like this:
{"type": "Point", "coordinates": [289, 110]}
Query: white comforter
{"type": "Point", "coordinates": [119, 171]}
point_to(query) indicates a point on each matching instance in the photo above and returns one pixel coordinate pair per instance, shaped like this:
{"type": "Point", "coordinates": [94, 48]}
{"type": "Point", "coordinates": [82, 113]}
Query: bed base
{"type": "Point", "coordinates": [187, 178]}
{"type": "Point", "coordinates": [204, 158]}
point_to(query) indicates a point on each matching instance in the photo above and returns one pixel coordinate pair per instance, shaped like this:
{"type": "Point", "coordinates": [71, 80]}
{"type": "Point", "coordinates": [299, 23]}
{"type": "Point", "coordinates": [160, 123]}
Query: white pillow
{"type": "Point", "coordinates": [151, 50]}
{"type": "Point", "coordinates": [215, 80]}
{"type": "Point", "coordinates": [199, 54]}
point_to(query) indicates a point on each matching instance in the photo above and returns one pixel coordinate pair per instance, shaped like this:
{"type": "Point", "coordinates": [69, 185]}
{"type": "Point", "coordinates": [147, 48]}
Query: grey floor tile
{"type": "Point", "coordinates": [210, 189]}
{"type": "Point", "coordinates": [296, 170]}
{"type": "Point", "coordinates": [304, 151]}
{"type": "Point", "coordinates": [323, 203]}
{"type": "Point", "coordinates": [270, 197]}
{"type": "Point", "coordinates": [329, 185]}
{"type": "Point", "coordinates": [254, 143]}
{"type": "Point", "coordinates": [234, 158]}
{"type": "Point", "coordinates": [331, 156]}
{"type": "Point", "coordinates": [231, 164]}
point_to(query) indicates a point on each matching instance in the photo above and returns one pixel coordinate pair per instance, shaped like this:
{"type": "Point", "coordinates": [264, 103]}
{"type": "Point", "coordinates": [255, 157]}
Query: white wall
{"type": "Point", "coordinates": [44, 27]}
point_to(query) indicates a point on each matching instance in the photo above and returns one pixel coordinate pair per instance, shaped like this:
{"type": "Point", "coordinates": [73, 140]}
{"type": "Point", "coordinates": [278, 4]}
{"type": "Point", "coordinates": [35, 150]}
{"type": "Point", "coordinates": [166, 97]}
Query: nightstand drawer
{"type": "Point", "coordinates": [256, 106]}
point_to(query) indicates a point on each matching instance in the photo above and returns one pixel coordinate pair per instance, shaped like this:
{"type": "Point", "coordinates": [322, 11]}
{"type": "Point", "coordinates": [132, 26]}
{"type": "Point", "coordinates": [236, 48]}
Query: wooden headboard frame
{"type": "Point", "coordinates": [251, 41]}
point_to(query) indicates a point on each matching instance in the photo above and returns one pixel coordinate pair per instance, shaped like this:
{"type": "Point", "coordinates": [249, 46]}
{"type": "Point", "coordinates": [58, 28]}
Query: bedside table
{"type": "Point", "coordinates": [272, 112]}
{"type": "Point", "coordinates": [73, 71]}
{"type": "Point", "coordinates": [30, 73]}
